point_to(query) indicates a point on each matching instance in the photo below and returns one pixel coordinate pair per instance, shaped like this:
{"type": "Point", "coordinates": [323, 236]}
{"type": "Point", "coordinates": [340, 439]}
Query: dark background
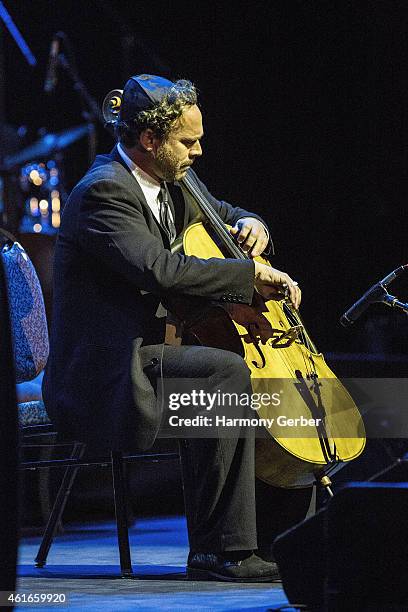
{"type": "Point", "coordinates": [305, 111]}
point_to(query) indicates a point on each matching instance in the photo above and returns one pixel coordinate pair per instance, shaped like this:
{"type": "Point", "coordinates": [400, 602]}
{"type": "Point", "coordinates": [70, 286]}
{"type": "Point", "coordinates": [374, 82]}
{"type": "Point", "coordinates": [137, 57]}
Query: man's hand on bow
{"type": "Point", "coordinates": [251, 235]}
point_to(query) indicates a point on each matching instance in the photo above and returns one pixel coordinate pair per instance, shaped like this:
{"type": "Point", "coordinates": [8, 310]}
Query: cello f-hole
{"type": "Point", "coordinates": [255, 339]}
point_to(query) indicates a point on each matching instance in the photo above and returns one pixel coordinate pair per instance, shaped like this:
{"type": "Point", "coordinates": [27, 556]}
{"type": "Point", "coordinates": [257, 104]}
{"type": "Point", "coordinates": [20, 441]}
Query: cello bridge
{"type": "Point", "coordinates": [287, 338]}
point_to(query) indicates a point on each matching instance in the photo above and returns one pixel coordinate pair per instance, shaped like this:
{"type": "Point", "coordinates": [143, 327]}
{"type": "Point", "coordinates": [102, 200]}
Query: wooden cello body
{"type": "Point", "coordinates": [283, 360]}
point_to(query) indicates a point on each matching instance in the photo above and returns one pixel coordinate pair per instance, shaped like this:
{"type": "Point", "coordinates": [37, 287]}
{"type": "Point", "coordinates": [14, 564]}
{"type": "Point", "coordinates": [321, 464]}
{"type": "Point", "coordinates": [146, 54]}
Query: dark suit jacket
{"type": "Point", "coordinates": [112, 267]}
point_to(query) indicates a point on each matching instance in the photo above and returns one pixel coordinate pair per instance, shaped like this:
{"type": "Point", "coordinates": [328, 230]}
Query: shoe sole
{"type": "Point", "coordinates": [201, 574]}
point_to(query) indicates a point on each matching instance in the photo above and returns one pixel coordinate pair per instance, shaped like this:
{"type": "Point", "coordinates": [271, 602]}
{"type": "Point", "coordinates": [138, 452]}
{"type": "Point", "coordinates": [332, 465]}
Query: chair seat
{"type": "Point", "coordinates": [32, 413]}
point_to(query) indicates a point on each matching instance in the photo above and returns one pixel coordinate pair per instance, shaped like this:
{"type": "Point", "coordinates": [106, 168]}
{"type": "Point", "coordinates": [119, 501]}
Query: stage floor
{"type": "Point", "coordinates": [84, 564]}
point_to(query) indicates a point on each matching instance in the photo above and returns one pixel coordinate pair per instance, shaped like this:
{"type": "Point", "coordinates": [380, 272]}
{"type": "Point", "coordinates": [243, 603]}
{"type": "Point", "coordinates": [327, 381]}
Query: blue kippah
{"type": "Point", "coordinates": [141, 93]}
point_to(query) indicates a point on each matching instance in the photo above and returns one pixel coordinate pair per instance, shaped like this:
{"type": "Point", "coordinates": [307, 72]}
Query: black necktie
{"type": "Point", "coordinates": [166, 220]}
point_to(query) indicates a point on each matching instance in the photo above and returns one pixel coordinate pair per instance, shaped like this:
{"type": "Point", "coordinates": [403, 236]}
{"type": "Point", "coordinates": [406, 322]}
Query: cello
{"type": "Point", "coordinates": [282, 359]}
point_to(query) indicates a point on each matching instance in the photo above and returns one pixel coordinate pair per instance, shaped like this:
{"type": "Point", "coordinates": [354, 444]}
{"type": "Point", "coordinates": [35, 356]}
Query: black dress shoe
{"type": "Point", "coordinates": [210, 566]}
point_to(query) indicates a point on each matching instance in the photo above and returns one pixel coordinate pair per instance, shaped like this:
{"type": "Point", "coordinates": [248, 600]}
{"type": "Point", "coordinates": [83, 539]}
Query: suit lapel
{"type": "Point", "coordinates": [151, 220]}
{"type": "Point", "coordinates": [182, 209]}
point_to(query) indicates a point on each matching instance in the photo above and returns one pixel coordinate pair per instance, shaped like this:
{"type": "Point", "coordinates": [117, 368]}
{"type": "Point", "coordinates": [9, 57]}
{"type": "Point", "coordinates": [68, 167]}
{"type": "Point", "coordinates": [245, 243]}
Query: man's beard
{"type": "Point", "coordinates": [168, 164]}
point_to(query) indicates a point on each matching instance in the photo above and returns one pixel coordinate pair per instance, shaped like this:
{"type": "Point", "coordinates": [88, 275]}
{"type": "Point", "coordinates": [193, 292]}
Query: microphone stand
{"type": "Point", "coordinates": [383, 297]}
{"type": "Point", "coordinates": [377, 293]}
{"type": "Point", "coordinates": [91, 112]}
{"type": "Point", "coordinates": [393, 302]}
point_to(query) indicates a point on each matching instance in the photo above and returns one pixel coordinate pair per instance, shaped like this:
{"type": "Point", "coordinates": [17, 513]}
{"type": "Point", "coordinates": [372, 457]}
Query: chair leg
{"type": "Point", "coordinates": [119, 492]}
{"type": "Point", "coordinates": [59, 506]}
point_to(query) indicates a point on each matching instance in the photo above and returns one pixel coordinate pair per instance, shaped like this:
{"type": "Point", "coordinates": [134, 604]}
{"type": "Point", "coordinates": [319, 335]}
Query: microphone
{"type": "Point", "coordinates": [51, 76]}
{"type": "Point", "coordinates": [376, 293]}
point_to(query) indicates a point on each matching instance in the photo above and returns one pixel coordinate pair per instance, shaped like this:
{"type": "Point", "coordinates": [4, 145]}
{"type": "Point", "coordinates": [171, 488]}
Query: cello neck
{"type": "Point", "coordinates": [213, 219]}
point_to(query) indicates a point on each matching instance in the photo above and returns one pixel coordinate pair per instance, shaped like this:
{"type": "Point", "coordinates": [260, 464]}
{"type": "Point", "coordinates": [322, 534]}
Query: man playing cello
{"type": "Point", "coordinates": [113, 266]}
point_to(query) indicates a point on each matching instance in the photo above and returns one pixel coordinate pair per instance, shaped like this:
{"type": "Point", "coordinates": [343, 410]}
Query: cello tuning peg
{"type": "Point", "coordinates": [111, 105]}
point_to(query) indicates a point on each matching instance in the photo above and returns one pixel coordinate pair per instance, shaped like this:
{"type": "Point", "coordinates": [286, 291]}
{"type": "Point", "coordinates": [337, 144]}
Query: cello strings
{"type": "Point", "coordinates": [238, 253]}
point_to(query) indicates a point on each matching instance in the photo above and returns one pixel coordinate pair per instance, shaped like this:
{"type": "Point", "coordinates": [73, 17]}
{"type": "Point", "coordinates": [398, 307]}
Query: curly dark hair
{"type": "Point", "coordinates": [161, 117]}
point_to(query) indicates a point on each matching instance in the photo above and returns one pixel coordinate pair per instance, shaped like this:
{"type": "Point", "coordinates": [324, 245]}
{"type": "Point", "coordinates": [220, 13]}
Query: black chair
{"type": "Point", "coordinates": [36, 430]}
{"type": "Point", "coordinates": [38, 433]}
